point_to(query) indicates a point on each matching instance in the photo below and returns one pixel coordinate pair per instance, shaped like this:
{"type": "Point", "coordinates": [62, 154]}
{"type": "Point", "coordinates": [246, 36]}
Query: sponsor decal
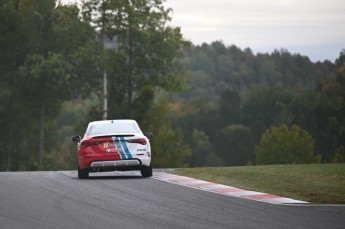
{"type": "Point", "coordinates": [111, 150]}
{"type": "Point", "coordinates": [140, 150]}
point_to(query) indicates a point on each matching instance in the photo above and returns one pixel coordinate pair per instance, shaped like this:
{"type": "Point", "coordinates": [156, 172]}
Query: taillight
{"type": "Point", "coordinates": [85, 144]}
{"type": "Point", "coordinates": [141, 141]}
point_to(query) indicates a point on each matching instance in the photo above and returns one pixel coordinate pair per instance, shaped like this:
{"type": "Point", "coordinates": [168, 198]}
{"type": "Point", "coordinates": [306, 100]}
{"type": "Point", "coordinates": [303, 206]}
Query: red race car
{"type": "Point", "coordinates": [111, 145]}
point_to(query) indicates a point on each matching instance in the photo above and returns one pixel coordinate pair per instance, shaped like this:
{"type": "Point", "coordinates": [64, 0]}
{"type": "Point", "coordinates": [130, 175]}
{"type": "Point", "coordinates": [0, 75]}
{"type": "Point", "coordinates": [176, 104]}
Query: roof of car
{"type": "Point", "coordinates": [113, 127]}
{"type": "Point", "coordinates": [112, 121]}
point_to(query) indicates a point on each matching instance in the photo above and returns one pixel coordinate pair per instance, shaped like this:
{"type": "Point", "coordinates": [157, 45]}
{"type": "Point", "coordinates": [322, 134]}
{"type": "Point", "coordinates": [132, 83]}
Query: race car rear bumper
{"type": "Point", "coordinates": [114, 164]}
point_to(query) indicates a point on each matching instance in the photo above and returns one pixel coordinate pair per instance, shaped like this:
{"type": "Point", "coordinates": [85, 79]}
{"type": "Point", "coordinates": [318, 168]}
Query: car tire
{"type": "Point", "coordinates": [83, 173]}
{"type": "Point", "coordinates": [146, 171]}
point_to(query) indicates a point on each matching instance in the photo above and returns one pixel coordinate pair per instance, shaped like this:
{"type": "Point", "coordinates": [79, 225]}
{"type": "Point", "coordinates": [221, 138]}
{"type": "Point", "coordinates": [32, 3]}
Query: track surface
{"type": "Point", "coordinates": [125, 200]}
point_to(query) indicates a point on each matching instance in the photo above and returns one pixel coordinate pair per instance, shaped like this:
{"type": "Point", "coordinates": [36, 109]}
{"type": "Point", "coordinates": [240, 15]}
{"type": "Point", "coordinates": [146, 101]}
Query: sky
{"type": "Point", "coordinates": [313, 28]}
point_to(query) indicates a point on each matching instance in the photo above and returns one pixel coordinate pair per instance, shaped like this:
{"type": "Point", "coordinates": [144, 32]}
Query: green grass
{"type": "Point", "coordinates": [321, 183]}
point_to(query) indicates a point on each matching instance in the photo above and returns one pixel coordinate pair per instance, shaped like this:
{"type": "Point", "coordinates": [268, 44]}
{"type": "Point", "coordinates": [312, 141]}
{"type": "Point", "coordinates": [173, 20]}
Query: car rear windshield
{"type": "Point", "coordinates": [113, 128]}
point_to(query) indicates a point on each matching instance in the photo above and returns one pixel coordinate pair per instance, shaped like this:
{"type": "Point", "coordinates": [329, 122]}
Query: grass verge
{"type": "Point", "coordinates": [321, 183]}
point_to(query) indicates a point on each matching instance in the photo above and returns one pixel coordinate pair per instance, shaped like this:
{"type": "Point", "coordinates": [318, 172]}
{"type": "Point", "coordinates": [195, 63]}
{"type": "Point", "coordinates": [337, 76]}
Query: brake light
{"type": "Point", "coordinates": [85, 144]}
{"type": "Point", "coordinates": [141, 141]}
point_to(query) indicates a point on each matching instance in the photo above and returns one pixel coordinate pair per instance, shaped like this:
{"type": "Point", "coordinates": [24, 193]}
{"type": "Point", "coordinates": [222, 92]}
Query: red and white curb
{"type": "Point", "coordinates": [224, 189]}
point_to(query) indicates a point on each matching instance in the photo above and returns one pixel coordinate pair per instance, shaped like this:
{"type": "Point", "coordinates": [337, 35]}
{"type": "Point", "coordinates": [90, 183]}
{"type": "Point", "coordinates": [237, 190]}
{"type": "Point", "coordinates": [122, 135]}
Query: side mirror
{"type": "Point", "coordinates": [149, 135]}
{"type": "Point", "coordinates": [76, 139]}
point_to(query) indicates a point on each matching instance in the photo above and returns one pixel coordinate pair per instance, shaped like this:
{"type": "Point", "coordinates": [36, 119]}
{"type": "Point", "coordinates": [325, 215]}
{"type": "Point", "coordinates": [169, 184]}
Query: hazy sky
{"type": "Point", "coordinates": [315, 28]}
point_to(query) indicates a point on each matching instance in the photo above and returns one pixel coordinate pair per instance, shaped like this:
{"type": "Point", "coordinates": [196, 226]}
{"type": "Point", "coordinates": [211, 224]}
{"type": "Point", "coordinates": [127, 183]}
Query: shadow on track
{"type": "Point", "coordinates": [117, 175]}
{"type": "Point", "coordinates": [114, 177]}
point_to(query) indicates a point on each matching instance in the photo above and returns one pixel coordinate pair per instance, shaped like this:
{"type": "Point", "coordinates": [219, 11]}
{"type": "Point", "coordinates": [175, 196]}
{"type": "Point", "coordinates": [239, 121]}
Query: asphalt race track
{"type": "Point", "coordinates": [126, 200]}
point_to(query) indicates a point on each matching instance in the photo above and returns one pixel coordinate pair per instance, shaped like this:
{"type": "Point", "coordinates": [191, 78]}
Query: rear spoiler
{"type": "Point", "coordinates": [112, 136]}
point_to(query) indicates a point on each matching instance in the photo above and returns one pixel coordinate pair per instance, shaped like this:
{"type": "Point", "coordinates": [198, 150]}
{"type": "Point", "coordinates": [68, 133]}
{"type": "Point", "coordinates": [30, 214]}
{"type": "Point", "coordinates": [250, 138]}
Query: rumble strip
{"type": "Point", "coordinates": [224, 189]}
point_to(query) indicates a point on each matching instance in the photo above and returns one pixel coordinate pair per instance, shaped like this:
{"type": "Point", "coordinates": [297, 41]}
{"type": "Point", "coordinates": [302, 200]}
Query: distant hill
{"type": "Point", "coordinates": [215, 67]}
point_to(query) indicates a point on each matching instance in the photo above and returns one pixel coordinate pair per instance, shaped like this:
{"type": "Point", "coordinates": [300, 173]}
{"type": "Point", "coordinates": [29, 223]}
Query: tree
{"type": "Point", "coordinates": [339, 155]}
{"type": "Point", "coordinates": [13, 46]}
{"type": "Point", "coordinates": [234, 144]}
{"type": "Point", "coordinates": [230, 107]}
{"type": "Point", "coordinates": [168, 148]}
{"type": "Point", "coordinates": [281, 145]}
{"type": "Point", "coordinates": [38, 39]}
{"type": "Point", "coordinates": [340, 61]}
{"type": "Point", "coordinates": [201, 149]}
{"type": "Point", "coordinates": [329, 112]}
{"type": "Point", "coordinates": [146, 54]}
{"type": "Point", "coordinates": [55, 34]}
{"type": "Point", "coordinates": [262, 106]}
{"type": "Point", "coordinates": [144, 61]}
{"type": "Point", "coordinates": [48, 78]}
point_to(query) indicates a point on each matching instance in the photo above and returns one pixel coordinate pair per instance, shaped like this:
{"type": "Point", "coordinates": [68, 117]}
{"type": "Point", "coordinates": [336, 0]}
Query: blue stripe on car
{"type": "Point", "coordinates": [124, 144]}
{"type": "Point", "coordinates": [119, 147]}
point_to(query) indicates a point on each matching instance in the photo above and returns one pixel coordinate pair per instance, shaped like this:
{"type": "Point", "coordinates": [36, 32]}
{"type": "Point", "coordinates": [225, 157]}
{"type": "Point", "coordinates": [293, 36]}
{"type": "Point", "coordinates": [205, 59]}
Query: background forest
{"type": "Point", "coordinates": [208, 105]}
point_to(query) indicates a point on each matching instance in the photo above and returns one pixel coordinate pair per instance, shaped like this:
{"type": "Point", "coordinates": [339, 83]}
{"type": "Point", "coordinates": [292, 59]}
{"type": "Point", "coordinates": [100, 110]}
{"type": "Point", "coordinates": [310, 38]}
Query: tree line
{"type": "Point", "coordinates": [236, 98]}
{"type": "Point", "coordinates": [207, 105]}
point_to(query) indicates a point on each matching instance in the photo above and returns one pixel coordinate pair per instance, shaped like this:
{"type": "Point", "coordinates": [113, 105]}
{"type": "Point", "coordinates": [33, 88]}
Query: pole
{"type": "Point", "coordinates": [112, 45]}
{"type": "Point", "coordinates": [105, 96]}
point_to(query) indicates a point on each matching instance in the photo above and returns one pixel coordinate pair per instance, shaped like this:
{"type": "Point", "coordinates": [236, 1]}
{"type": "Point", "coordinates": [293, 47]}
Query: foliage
{"type": "Point", "coordinates": [201, 148]}
{"type": "Point", "coordinates": [234, 145]}
{"type": "Point", "coordinates": [263, 106]}
{"type": "Point", "coordinates": [339, 155]}
{"type": "Point", "coordinates": [329, 112]}
{"type": "Point", "coordinates": [143, 61]}
{"type": "Point", "coordinates": [145, 54]}
{"type": "Point", "coordinates": [216, 67]}
{"type": "Point", "coordinates": [37, 43]}
{"type": "Point", "coordinates": [52, 61]}
{"type": "Point", "coordinates": [233, 86]}
{"type": "Point", "coordinates": [169, 150]}
{"type": "Point", "coordinates": [230, 107]}
{"type": "Point", "coordinates": [281, 145]}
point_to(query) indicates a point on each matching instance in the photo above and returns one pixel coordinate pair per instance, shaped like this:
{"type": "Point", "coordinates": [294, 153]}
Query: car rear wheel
{"type": "Point", "coordinates": [146, 171]}
{"type": "Point", "coordinates": [82, 173]}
